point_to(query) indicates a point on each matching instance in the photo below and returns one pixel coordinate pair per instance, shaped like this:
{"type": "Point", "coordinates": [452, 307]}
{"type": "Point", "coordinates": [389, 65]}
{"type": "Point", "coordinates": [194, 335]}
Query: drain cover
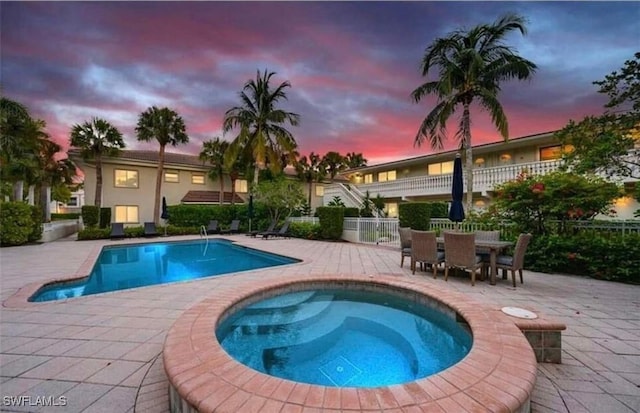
{"type": "Point", "coordinates": [340, 371]}
{"type": "Point", "coordinates": [519, 312]}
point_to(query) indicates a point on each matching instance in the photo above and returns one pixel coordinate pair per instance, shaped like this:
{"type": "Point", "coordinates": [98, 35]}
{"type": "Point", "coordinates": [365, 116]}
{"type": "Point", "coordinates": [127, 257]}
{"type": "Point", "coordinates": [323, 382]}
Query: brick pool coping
{"type": "Point", "coordinates": [497, 375]}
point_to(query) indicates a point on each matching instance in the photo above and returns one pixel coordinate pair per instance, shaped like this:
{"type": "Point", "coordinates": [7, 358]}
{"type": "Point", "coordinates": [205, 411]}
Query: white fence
{"type": "Point", "coordinates": [377, 231]}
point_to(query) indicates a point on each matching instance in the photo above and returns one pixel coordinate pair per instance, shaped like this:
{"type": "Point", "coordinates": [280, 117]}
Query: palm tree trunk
{"type": "Point", "coordinates": [156, 206]}
{"type": "Point", "coordinates": [221, 189]}
{"type": "Point", "coordinates": [98, 197]}
{"type": "Point", "coordinates": [310, 188]}
{"type": "Point", "coordinates": [466, 144]}
{"type": "Point", "coordinates": [18, 191]}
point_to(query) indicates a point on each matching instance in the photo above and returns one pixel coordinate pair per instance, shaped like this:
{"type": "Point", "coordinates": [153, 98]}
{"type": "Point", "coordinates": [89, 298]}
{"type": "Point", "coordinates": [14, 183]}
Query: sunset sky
{"type": "Point", "coordinates": [352, 65]}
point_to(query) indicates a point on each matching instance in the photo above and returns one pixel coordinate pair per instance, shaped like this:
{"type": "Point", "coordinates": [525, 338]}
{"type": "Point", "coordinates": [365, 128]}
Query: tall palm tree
{"type": "Point", "coordinates": [213, 152]}
{"type": "Point", "coordinates": [334, 163]}
{"type": "Point", "coordinates": [471, 65]}
{"type": "Point", "coordinates": [52, 173]}
{"type": "Point", "coordinates": [167, 128]}
{"type": "Point", "coordinates": [95, 140]}
{"type": "Point", "coordinates": [261, 124]}
{"type": "Point", "coordinates": [355, 160]}
{"type": "Point", "coordinates": [310, 170]}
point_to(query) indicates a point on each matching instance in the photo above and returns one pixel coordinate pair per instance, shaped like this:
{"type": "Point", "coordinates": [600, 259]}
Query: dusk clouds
{"type": "Point", "coordinates": [352, 65]}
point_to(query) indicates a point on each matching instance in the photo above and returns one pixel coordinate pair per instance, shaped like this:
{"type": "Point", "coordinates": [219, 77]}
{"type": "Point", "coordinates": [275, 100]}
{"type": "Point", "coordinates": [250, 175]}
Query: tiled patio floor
{"type": "Point", "coordinates": [101, 352]}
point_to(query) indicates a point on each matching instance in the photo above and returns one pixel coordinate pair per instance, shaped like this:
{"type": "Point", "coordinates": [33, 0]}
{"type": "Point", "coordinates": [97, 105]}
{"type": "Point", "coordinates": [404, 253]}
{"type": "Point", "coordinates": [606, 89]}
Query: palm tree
{"type": "Point", "coordinates": [310, 170]}
{"type": "Point", "coordinates": [355, 160]}
{"type": "Point", "coordinates": [261, 124]}
{"type": "Point", "coordinates": [95, 140]}
{"type": "Point", "coordinates": [334, 163]}
{"type": "Point", "coordinates": [471, 65]}
{"type": "Point", "coordinates": [168, 129]}
{"type": "Point", "coordinates": [213, 152]}
{"type": "Point", "coordinates": [52, 173]}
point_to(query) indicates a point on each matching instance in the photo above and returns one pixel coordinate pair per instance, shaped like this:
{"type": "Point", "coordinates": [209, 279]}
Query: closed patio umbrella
{"type": "Point", "coordinates": [456, 212]}
{"type": "Point", "coordinates": [165, 214]}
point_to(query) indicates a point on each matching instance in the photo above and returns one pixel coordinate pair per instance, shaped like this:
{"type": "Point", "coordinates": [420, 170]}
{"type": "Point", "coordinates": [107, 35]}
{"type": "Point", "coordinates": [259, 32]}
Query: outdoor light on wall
{"type": "Point", "coordinates": [505, 157]}
{"type": "Point", "coordinates": [479, 162]}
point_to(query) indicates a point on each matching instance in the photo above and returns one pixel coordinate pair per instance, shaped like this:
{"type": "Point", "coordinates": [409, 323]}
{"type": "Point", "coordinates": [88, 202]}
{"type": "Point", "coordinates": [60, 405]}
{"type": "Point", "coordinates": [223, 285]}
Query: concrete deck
{"type": "Point", "coordinates": [101, 352]}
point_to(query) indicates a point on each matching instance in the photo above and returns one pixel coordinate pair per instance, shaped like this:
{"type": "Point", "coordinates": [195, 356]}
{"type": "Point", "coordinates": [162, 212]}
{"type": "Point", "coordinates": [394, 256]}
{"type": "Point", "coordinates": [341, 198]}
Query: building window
{"type": "Point", "coordinates": [368, 178]}
{"type": "Point", "coordinates": [550, 153]}
{"type": "Point", "coordinates": [73, 201]}
{"type": "Point", "coordinates": [386, 176]}
{"type": "Point", "coordinates": [440, 168]}
{"type": "Point", "coordinates": [241, 186]}
{"type": "Point", "coordinates": [127, 214]}
{"type": "Point", "coordinates": [171, 176]}
{"type": "Point", "coordinates": [319, 190]}
{"type": "Point", "coordinates": [126, 178]}
{"type": "Point", "coordinates": [391, 209]}
{"type": "Point", "coordinates": [197, 179]}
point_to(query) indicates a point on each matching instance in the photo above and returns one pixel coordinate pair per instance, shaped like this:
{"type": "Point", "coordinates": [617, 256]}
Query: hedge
{"type": "Point", "coordinates": [69, 215]}
{"type": "Point", "coordinates": [90, 215]}
{"type": "Point", "coordinates": [439, 209]}
{"type": "Point", "coordinates": [351, 212]}
{"type": "Point", "coordinates": [305, 230]}
{"type": "Point", "coordinates": [16, 223]}
{"type": "Point", "coordinates": [331, 222]}
{"type": "Point", "coordinates": [105, 217]}
{"type": "Point", "coordinates": [134, 232]}
{"type": "Point", "coordinates": [36, 223]}
{"type": "Point", "coordinates": [415, 215]}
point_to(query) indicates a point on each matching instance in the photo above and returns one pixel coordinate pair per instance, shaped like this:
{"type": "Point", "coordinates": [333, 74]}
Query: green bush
{"type": "Point", "coordinates": [90, 233]}
{"type": "Point", "coordinates": [105, 217]}
{"type": "Point", "coordinates": [306, 230]}
{"type": "Point", "coordinates": [331, 222]}
{"type": "Point", "coordinates": [613, 257]}
{"type": "Point", "coordinates": [16, 223]}
{"type": "Point", "coordinates": [90, 215]}
{"type": "Point", "coordinates": [415, 215]}
{"type": "Point", "coordinates": [36, 223]}
{"type": "Point", "coordinates": [439, 209]}
{"type": "Point", "coordinates": [351, 212]}
{"type": "Point", "coordinates": [60, 217]}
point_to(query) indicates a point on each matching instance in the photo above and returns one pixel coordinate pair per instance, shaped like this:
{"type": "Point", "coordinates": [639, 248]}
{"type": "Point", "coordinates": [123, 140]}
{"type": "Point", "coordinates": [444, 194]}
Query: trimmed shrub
{"type": "Point", "coordinates": [90, 233]}
{"type": "Point", "coordinates": [36, 223]}
{"type": "Point", "coordinates": [439, 209]}
{"type": "Point", "coordinates": [351, 212]}
{"type": "Point", "coordinates": [60, 217]}
{"type": "Point", "coordinates": [105, 217]}
{"type": "Point", "coordinates": [306, 230]}
{"type": "Point", "coordinates": [16, 223]}
{"type": "Point", "coordinates": [90, 215]}
{"type": "Point", "coordinates": [415, 215]}
{"type": "Point", "coordinates": [331, 222]}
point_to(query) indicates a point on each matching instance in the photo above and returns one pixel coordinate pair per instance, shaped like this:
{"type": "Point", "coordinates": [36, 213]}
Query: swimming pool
{"type": "Point", "coordinates": [136, 265]}
{"type": "Point", "coordinates": [339, 337]}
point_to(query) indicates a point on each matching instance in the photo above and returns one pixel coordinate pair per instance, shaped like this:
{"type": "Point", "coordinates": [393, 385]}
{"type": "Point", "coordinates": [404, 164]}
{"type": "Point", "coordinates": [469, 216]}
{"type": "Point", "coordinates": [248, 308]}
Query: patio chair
{"type": "Point", "coordinates": [405, 243]}
{"type": "Point", "coordinates": [150, 229]}
{"type": "Point", "coordinates": [281, 233]}
{"type": "Point", "coordinates": [272, 227]}
{"type": "Point", "coordinates": [212, 228]}
{"type": "Point", "coordinates": [117, 230]}
{"type": "Point", "coordinates": [424, 249]}
{"type": "Point", "coordinates": [515, 262]}
{"type": "Point", "coordinates": [484, 252]}
{"type": "Point", "coordinates": [460, 252]}
{"type": "Point", "coordinates": [233, 229]}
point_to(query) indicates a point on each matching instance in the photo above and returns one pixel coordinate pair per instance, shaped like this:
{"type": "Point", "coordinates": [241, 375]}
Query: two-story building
{"type": "Point", "coordinates": [129, 181]}
{"type": "Point", "coordinates": [429, 177]}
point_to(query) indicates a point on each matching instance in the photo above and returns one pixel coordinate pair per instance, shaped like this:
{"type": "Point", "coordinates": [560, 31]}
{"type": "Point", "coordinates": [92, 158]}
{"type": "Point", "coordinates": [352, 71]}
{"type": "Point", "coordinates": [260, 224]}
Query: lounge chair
{"type": "Point", "coordinates": [271, 228]}
{"type": "Point", "coordinates": [424, 249]}
{"type": "Point", "coordinates": [117, 230]}
{"type": "Point", "coordinates": [281, 233]}
{"type": "Point", "coordinates": [150, 229]}
{"type": "Point", "coordinates": [405, 243]}
{"type": "Point", "coordinates": [213, 227]}
{"type": "Point", "coordinates": [233, 229]}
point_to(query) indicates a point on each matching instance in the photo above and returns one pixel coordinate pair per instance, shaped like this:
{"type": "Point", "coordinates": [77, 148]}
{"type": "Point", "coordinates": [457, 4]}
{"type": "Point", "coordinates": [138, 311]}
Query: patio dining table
{"type": "Point", "coordinates": [494, 248]}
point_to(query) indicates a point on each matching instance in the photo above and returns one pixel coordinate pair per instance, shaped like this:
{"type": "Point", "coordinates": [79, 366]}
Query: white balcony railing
{"type": "Point", "coordinates": [484, 179]}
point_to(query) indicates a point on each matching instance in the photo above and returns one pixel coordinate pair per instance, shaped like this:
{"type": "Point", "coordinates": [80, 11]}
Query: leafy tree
{"type": "Point", "coordinates": [471, 66]}
{"type": "Point", "coordinates": [167, 128]}
{"type": "Point", "coordinates": [213, 152]}
{"type": "Point", "coordinates": [355, 160]}
{"type": "Point", "coordinates": [336, 202]}
{"type": "Point", "coordinates": [334, 163]}
{"type": "Point", "coordinates": [603, 144]}
{"type": "Point", "coordinates": [532, 201]}
{"type": "Point", "coordinates": [261, 124]}
{"type": "Point", "coordinates": [310, 170]}
{"type": "Point", "coordinates": [280, 196]}
{"type": "Point", "coordinates": [95, 140]}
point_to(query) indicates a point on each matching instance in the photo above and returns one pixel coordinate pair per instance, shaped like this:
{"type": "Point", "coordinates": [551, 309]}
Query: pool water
{"type": "Point", "coordinates": [344, 338]}
{"type": "Point", "coordinates": [137, 265]}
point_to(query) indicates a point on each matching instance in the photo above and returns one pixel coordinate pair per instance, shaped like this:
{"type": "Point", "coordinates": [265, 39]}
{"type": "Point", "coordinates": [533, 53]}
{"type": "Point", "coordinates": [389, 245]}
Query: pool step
{"type": "Point", "coordinates": [271, 319]}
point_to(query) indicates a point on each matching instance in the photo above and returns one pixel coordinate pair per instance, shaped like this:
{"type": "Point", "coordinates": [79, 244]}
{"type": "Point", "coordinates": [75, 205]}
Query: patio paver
{"type": "Point", "coordinates": [601, 357]}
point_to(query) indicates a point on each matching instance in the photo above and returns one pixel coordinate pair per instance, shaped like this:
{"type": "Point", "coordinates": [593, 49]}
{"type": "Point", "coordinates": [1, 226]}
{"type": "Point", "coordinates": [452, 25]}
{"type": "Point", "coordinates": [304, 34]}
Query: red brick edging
{"type": "Point", "coordinates": [498, 374]}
